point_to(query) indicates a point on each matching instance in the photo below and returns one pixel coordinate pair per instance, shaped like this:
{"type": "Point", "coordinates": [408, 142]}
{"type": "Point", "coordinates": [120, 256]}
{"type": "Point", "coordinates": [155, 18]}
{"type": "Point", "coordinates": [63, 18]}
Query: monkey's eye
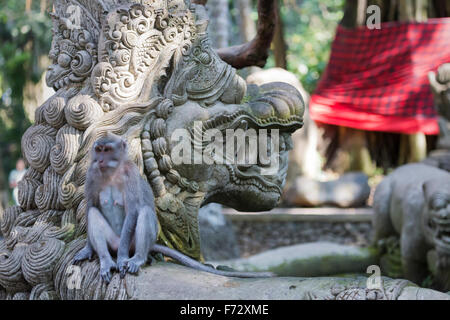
{"type": "Point", "coordinates": [107, 149]}
{"type": "Point", "coordinates": [98, 149]}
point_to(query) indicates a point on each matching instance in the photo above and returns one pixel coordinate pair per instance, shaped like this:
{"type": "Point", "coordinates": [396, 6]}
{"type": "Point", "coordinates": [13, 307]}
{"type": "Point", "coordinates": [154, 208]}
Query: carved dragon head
{"type": "Point", "coordinates": [141, 71]}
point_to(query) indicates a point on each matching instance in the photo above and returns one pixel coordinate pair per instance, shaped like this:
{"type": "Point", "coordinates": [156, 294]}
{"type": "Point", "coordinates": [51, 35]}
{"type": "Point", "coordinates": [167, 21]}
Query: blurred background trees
{"type": "Point", "coordinates": [25, 38]}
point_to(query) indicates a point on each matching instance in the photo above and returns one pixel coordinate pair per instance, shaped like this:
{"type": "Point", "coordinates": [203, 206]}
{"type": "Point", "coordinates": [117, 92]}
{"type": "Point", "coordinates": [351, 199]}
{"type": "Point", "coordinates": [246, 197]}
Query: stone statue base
{"type": "Point", "coordinates": [164, 280]}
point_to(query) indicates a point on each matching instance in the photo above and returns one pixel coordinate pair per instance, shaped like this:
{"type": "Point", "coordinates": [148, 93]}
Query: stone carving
{"type": "Point", "coordinates": [357, 290]}
{"type": "Point", "coordinates": [413, 203]}
{"type": "Point", "coordinates": [141, 70]}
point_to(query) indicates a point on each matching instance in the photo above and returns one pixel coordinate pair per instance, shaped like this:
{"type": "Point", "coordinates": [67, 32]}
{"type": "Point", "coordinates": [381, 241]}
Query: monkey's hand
{"type": "Point", "coordinates": [86, 253]}
{"type": "Point", "coordinates": [106, 266]}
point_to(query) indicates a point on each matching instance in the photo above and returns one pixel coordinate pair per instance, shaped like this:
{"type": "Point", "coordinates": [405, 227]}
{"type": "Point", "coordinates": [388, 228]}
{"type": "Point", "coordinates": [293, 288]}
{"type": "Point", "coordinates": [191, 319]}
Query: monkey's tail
{"type": "Point", "coordinates": [189, 262]}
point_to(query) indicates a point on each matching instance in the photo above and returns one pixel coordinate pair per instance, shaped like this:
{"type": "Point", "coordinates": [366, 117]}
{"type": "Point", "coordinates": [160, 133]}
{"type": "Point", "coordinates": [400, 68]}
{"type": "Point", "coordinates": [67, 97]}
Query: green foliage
{"type": "Point", "coordinates": [309, 28]}
{"type": "Point", "coordinates": [24, 37]}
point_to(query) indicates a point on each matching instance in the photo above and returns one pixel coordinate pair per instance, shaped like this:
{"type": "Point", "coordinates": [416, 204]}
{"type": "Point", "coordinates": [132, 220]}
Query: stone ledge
{"type": "Point", "coordinates": [315, 259]}
{"type": "Point", "coordinates": [164, 280]}
{"type": "Point", "coordinates": [328, 214]}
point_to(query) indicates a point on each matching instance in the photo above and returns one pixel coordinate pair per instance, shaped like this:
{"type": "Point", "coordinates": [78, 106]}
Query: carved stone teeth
{"type": "Point", "coordinates": [146, 145]}
{"type": "Point", "coordinates": [151, 164]}
{"type": "Point", "coordinates": [146, 135]}
{"type": "Point", "coordinates": [148, 155]}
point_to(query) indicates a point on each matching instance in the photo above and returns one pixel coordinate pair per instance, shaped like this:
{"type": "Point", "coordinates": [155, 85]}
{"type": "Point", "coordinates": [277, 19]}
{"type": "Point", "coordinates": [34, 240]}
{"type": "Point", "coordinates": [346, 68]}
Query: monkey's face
{"type": "Point", "coordinates": [107, 155]}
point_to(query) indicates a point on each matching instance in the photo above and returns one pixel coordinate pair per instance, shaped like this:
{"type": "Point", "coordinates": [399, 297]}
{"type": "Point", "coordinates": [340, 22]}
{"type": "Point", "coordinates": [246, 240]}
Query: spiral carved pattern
{"type": "Point", "coordinates": [43, 291]}
{"type": "Point", "coordinates": [31, 235]}
{"type": "Point", "coordinates": [81, 227]}
{"type": "Point", "coordinates": [46, 195]}
{"type": "Point", "coordinates": [62, 155]}
{"type": "Point", "coordinates": [27, 189]}
{"type": "Point", "coordinates": [39, 260]}
{"type": "Point", "coordinates": [27, 218]}
{"type": "Point", "coordinates": [36, 145]}
{"type": "Point", "coordinates": [53, 112]}
{"type": "Point", "coordinates": [10, 270]}
{"type": "Point", "coordinates": [8, 219]}
{"type": "Point", "coordinates": [82, 111]}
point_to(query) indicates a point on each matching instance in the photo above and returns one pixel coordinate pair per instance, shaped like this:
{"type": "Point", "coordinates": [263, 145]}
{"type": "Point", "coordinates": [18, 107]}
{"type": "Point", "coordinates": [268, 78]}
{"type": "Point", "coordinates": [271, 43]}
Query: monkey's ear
{"type": "Point", "coordinates": [124, 144]}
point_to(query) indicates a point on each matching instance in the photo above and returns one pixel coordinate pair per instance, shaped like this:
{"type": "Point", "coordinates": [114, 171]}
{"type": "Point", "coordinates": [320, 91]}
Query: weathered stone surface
{"type": "Point", "coordinates": [217, 237]}
{"type": "Point", "coordinates": [349, 190]}
{"type": "Point", "coordinates": [163, 281]}
{"type": "Point", "coordinates": [308, 260]}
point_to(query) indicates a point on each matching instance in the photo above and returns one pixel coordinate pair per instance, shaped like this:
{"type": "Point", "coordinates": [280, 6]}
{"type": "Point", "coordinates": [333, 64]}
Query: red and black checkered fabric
{"type": "Point", "coordinates": [377, 79]}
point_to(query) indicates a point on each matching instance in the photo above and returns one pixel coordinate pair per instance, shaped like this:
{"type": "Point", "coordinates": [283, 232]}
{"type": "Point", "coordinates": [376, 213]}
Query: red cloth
{"type": "Point", "coordinates": [377, 79]}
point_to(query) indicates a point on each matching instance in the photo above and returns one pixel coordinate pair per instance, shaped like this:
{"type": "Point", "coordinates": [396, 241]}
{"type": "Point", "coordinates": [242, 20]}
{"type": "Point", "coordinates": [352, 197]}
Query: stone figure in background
{"type": "Point", "coordinates": [350, 190]}
{"type": "Point", "coordinates": [141, 71]}
{"type": "Point", "coordinates": [413, 203]}
{"type": "Point", "coordinates": [15, 176]}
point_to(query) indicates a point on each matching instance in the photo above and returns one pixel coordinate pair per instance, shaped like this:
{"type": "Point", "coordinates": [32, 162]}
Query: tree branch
{"type": "Point", "coordinates": [202, 2]}
{"type": "Point", "coordinates": [255, 52]}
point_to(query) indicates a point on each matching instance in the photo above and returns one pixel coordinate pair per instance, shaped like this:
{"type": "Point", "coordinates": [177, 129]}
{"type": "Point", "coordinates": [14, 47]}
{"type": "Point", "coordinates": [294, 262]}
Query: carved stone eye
{"type": "Point", "coordinates": [64, 60]}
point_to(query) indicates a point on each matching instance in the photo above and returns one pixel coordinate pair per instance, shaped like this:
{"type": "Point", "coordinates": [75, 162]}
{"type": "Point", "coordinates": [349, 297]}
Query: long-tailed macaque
{"type": "Point", "coordinates": [121, 215]}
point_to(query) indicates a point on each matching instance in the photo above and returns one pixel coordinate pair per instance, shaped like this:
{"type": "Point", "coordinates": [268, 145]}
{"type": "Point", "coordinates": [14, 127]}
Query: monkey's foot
{"type": "Point", "coordinates": [105, 269]}
{"type": "Point", "coordinates": [83, 254]}
{"type": "Point", "coordinates": [131, 265]}
{"type": "Point", "coordinates": [134, 264]}
{"type": "Point", "coordinates": [122, 266]}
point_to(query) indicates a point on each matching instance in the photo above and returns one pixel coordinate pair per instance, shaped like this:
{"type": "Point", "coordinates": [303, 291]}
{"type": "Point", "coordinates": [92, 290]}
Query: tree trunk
{"type": "Point", "coordinates": [278, 43]}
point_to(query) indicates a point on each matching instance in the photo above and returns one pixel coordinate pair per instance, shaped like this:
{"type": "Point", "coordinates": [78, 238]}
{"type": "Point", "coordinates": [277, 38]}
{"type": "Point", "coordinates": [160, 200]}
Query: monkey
{"type": "Point", "coordinates": [121, 216]}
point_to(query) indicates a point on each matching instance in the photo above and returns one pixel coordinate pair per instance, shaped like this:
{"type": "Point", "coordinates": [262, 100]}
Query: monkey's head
{"type": "Point", "coordinates": [108, 153]}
